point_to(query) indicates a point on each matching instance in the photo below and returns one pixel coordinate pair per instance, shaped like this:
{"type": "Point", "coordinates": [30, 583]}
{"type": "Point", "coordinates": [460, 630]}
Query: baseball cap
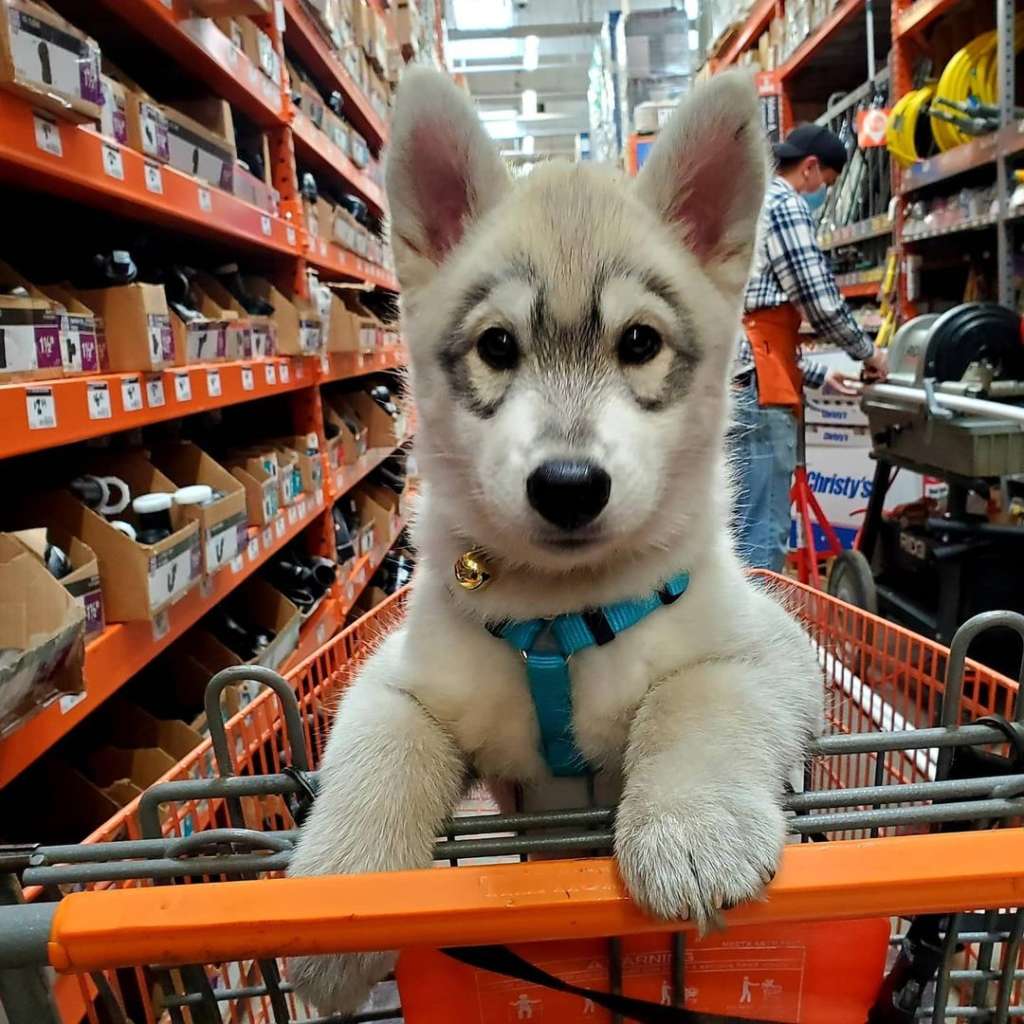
{"type": "Point", "coordinates": [813, 140]}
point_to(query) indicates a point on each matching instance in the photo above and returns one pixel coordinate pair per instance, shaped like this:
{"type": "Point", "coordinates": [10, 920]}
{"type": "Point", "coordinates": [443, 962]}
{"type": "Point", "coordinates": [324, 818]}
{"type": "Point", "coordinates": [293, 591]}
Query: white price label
{"type": "Point", "coordinates": [361, 576]}
{"type": "Point", "coordinates": [270, 372]}
{"type": "Point", "coordinates": [247, 379]}
{"type": "Point", "coordinates": [213, 383]}
{"type": "Point", "coordinates": [237, 564]}
{"type": "Point", "coordinates": [321, 634]}
{"type": "Point", "coordinates": [265, 225]}
{"type": "Point", "coordinates": [155, 392]}
{"type": "Point", "coordinates": [292, 515]}
{"type": "Point", "coordinates": [232, 55]}
{"type": "Point", "coordinates": [48, 136]}
{"type": "Point", "coordinates": [320, 498]}
{"type": "Point", "coordinates": [113, 163]}
{"type": "Point", "coordinates": [161, 626]}
{"type": "Point", "coordinates": [302, 509]}
{"type": "Point", "coordinates": [131, 394]}
{"type": "Point", "coordinates": [284, 373]}
{"type": "Point", "coordinates": [290, 234]}
{"type": "Point", "coordinates": [350, 592]}
{"type": "Point", "coordinates": [183, 387]}
{"type": "Point", "coordinates": [71, 700]}
{"type": "Point", "coordinates": [205, 200]}
{"type": "Point", "coordinates": [99, 400]}
{"type": "Point", "coordinates": [325, 364]}
{"type": "Point", "coordinates": [154, 179]}
{"type": "Point", "coordinates": [323, 248]}
{"type": "Point", "coordinates": [42, 409]}
{"type": "Point", "coordinates": [254, 549]}
{"type": "Point", "coordinates": [268, 539]}
{"type": "Point", "coordinates": [279, 527]}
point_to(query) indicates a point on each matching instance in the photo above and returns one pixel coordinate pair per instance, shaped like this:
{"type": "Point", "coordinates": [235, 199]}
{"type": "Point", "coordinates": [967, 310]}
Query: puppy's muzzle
{"type": "Point", "coordinates": [569, 493]}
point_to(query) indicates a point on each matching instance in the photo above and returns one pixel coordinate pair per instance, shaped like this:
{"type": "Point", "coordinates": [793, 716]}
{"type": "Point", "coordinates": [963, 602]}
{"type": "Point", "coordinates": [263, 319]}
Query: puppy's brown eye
{"type": "Point", "coordinates": [639, 344]}
{"type": "Point", "coordinates": [498, 349]}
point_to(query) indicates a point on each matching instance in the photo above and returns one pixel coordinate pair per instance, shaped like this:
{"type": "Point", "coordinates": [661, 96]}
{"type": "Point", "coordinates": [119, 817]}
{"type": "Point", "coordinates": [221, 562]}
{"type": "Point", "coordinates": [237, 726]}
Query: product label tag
{"type": "Point", "coordinates": [222, 542]}
{"type": "Point", "coordinates": [131, 394]}
{"type": "Point", "coordinates": [42, 409]}
{"type": "Point", "coordinates": [98, 400]}
{"type": "Point", "coordinates": [172, 571]}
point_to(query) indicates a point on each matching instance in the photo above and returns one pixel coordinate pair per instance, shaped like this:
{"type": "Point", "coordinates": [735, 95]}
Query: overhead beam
{"type": "Point", "coordinates": [556, 30]}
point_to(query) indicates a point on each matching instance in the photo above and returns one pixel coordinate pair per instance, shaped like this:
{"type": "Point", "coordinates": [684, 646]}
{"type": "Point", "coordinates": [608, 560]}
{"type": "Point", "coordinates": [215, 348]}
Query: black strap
{"type": "Point", "coordinates": [302, 802]}
{"type": "Point", "coordinates": [501, 960]}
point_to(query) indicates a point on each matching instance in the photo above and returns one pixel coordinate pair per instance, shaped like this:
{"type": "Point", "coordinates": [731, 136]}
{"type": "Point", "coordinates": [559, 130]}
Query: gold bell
{"type": "Point", "coordinates": [471, 571]}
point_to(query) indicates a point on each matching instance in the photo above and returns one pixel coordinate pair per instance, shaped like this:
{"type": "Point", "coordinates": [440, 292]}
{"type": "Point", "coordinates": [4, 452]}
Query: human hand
{"type": "Point", "coordinates": [839, 383]}
{"type": "Point", "coordinates": [876, 366]}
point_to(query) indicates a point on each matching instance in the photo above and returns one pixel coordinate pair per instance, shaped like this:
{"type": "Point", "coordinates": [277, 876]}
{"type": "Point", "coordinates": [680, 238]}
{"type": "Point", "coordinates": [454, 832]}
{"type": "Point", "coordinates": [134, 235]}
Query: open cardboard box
{"type": "Point", "coordinates": [199, 150]}
{"type": "Point", "coordinates": [388, 500]}
{"type": "Point", "coordinates": [79, 346]}
{"type": "Point", "coordinates": [31, 327]}
{"type": "Point", "coordinates": [136, 326]}
{"type": "Point", "coordinates": [259, 475]}
{"type": "Point", "coordinates": [370, 330]}
{"type": "Point", "coordinates": [199, 341]}
{"type": "Point", "coordinates": [308, 465]}
{"type": "Point", "coordinates": [49, 62]}
{"type": "Point", "coordinates": [139, 580]}
{"type": "Point", "coordinates": [223, 524]}
{"type": "Point", "coordinates": [383, 431]}
{"type": "Point", "coordinates": [41, 632]}
{"type": "Point", "coordinates": [83, 582]}
{"type": "Point", "coordinates": [124, 773]}
{"type": "Point", "coordinates": [132, 726]}
{"type": "Point", "coordinates": [352, 431]}
{"type": "Point", "coordinates": [259, 48]}
{"type": "Point", "coordinates": [298, 325]}
{"type": "Point", "coordinates": [289, 475]}
{"type": "Point", "coordinates": [247, 336]}
{"type": "Point", "coordinates": [374, 522]}
{"type": "Point", "coordinates": [260, 604]}
{"type": "Point", "coordinates": [114, 118]}
{"type": "Point", "coordinates": [145, 121]}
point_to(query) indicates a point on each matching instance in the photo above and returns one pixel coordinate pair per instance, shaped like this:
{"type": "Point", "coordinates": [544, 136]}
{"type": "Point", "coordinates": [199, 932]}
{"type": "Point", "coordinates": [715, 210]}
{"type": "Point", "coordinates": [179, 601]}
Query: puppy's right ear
{"type": "Point", "coordinates": [443, 172]}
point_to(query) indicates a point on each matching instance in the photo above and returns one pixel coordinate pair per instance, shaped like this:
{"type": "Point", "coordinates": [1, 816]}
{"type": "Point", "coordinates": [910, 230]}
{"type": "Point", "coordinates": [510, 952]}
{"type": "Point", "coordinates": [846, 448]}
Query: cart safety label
{"type": "Point", "coordinates": [172, 571]}
{"type": "Point", "coordinates": [793, 974]}
{"type": "Point", "coordinates": [225, 541]}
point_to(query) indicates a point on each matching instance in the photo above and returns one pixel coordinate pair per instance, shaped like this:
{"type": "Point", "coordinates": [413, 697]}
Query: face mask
{"type": "Point", "coordinates": [816, 199]}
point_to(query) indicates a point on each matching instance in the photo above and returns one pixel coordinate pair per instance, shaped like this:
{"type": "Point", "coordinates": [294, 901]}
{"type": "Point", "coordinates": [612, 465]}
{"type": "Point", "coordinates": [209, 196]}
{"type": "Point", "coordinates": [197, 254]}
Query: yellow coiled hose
{"type": "Point", "coordinates": [902, 132]}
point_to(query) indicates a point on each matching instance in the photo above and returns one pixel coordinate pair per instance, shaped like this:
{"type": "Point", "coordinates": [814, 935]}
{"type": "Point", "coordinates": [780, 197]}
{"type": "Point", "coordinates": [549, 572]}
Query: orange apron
{"type": "Point", "coordinates": [774, 335]}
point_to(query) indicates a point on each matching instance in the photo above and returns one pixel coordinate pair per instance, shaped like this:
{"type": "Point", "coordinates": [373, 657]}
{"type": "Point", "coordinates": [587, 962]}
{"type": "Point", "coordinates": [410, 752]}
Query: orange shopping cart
{"type": "Point", "coordinates": [898, 898]}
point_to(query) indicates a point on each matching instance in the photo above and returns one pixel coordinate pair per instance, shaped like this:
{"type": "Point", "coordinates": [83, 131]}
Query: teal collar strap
{"type": "Point", "coordinates": [548, 644]}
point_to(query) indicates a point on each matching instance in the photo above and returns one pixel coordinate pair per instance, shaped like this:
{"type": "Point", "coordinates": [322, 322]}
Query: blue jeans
{"type": "Point", "coordinates": [763, 451]}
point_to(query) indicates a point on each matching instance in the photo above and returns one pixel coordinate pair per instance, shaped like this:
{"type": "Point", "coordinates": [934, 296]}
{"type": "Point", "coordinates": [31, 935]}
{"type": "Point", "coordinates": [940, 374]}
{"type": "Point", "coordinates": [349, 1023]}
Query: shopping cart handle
{"type": "Point", "coordinates": [480, 905]}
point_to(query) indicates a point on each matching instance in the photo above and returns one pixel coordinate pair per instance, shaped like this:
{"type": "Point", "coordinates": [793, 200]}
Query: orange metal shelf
{"type": "Point", "coordinates": [303, 36]}
{"type": "Point", "coordinates": [93, 169]}
{"type": "Point", "coordinates": [205, 53]}
{"type": "Point", "coordinates": [331, 259]}
{"type": "Point", "coordinates": [342, 365]}
{"type": "Point", "coordinates": [74, 398]}
{"type": "Point", "coordinates": [861, 290]}
{"type": "Point", "coordinates": [507, 903]}
{"type": "Point", "coordinates": [125, 648]}
{"type": "Point", "coordinates": [799, 57]}
{"type": "Point", "coordinates": [312, 146]}
{"type": "Point", "coordinates": [919, 14]}
{"type": "Point", "coordinates": [757, 21]}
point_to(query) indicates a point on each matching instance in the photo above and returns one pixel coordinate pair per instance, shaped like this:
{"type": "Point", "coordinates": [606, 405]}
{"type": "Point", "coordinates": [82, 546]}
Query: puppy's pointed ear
{"type": "Point", "coordinates": [706, 175]}
{"type": "Point", "coordinates": [443, 172]}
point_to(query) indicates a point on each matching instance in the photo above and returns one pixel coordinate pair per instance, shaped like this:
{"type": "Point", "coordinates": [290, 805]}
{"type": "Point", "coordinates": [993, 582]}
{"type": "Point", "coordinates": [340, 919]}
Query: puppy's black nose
{"type": "Point", "coordinates": [568, 493]}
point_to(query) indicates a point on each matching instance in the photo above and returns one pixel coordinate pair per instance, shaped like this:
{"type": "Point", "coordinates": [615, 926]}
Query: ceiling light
{"type": "Point", "coordinates": [531, 52]}
{"type": "Point", "coordinates": [528, 145]}
{"type": "Point", "coordinates": [691, 9]}
{"type": "Point", "coordinates": [693, 38]}
{"type": "Point", "coordinates": [529, 102]}
{"type": "Point", "coordinates": [478, 14]}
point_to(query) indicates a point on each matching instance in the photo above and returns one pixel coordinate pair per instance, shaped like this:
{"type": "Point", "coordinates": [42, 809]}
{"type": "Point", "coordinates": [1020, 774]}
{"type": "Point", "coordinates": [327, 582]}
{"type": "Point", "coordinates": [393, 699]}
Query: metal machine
{"type": "Point", "coordinates": [952, 408]}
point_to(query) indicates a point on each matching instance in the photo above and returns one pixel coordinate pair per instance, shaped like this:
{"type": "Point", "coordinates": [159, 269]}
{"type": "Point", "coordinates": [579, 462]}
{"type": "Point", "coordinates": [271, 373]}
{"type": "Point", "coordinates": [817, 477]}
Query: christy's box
{"type": "Point", "coordinates": [49, 62]}
{"type": "Point", "coordinates": [41, 634]}
{"type": "Point", "coordinates": [83, 581]}
{"type": "Point", "coordinates": [136, 325]}
{"type": "Point", "coordinates": [223, 523]}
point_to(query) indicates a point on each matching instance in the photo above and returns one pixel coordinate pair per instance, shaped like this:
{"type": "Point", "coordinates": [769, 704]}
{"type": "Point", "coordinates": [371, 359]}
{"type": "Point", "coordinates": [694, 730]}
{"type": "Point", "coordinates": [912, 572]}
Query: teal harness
{"type": "Point", "coordinates": [548, 644]}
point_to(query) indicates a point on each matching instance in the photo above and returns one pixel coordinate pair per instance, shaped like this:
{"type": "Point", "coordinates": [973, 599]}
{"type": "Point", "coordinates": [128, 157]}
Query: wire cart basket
{"type": "Point", "coordinates": [897, 900]}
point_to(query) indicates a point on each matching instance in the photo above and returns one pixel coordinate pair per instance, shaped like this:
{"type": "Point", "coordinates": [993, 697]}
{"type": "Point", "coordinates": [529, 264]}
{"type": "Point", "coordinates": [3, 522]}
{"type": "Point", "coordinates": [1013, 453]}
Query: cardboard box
{"type": "Point", "coordinates": [337, 130]}
{"type": "Point", "coordinates": [369, 329]}
{"type": "Point", "coordinates": [223, 524]}
{"type": "Point", "coordinates": [261, 605]}
{"type": "Point", "coordinates": [139, 581]}
{"type": "Point", "coordinates": [383, 431]}
{"type": "Point", "coordinates": [49, 62]}
{"type": "Point", "coordinates": [83, 582]}
{"type": "Point", "coordinates": [353, 432]}
{"type": "Point", "coordinates": [199, 341]}
{"type": "Point", "coordinates": [41, 633]}
{"type": "Point", "coordinates": [213, 113]}
{"type": "Point", "coordinates": [124, 774]}
{"type": "Point", "coordinates": [256, 191]}
{"type": "Point", "coordinates": [346, 229]}
{"type": "Point", "coordinates": [298, 327]}
{"type": "Point", "coordinates": [137, 326]}
{"type": "Point", "coordinates": [131, 726]}
{"type": "Point", "coordinates": [114, 117]}
{"type": "Point", "coordinates": [196, 150]}
{"type": "Point", "coordinates": [31, 330]}
{"type": "Point", "coordinates": [313, 103]}
{"type": "Point", "coordinates": [259, 48]}
{"type": "Point", "coordinates": [288, 475]}
{"type": "Point", "coordinates": [342, 327]}
{"type": "Point", "coordinates": [247, 336]}
{"type": "Point", "coordinates": [79, 346]}
{"type": "Point", "coordinates": [259, 476]}
{"type": "Point", "coordinates": [147, 127]}
{"type": "Point", "coordinates": [307, 465]}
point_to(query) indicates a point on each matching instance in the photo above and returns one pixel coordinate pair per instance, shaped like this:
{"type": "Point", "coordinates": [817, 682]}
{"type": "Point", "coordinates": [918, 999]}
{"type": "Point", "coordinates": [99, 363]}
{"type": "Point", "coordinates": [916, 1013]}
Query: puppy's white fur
{"type": "Point", "coordinates": [702, 709]}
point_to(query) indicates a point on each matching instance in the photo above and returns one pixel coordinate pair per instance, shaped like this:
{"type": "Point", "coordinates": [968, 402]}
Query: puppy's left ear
{"type": "Point", "coordinates": [706, 175]}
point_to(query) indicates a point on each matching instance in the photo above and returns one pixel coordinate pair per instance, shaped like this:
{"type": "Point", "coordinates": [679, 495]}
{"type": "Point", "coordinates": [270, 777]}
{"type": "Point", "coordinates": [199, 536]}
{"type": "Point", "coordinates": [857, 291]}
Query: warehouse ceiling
{"type": "Point", "coordinates": [510, 50]}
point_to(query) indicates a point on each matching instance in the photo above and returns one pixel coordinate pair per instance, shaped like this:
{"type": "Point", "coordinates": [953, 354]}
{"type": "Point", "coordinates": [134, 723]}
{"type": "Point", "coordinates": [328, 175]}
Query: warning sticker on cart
{"type": "Point", "coordinates": [792, 974]}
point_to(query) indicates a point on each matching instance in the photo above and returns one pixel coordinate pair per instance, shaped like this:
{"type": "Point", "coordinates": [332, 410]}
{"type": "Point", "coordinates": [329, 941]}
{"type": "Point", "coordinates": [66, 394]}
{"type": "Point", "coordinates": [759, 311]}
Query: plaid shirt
{"type": "Point", "coordinates": [789, 267]}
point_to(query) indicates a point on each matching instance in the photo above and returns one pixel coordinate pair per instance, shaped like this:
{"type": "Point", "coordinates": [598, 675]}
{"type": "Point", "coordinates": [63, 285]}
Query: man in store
{"type": "Point", "coordinates": [791, 281]}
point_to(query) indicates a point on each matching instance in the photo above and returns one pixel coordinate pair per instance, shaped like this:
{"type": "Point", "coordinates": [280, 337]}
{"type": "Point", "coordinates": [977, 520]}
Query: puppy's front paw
{"type": "Point", "coordinates": [339, 984]}
{"type": "Point", "coordinates": [699, 855]}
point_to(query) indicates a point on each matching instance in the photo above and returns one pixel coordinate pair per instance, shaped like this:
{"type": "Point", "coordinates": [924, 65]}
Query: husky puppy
{"type": "Point", "coordinates": [570, 339]}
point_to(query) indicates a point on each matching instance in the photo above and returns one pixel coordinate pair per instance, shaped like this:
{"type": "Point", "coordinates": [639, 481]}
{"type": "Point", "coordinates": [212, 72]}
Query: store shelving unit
{"type": "Point", "coordinates": [75, 162]}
